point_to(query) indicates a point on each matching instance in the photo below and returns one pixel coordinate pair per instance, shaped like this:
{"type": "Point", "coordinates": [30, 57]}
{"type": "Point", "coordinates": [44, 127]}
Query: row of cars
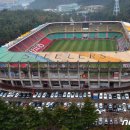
{"type": "Point", "coordinates": [109, 121]}
{"type": "Point", "coordinates": [109, 107]}
{"type": "Point", "coordinates": [100, 107]}
{"type": "Point", "coordinates": [113, 96]}
{"type": "Point", "coordinates": [62, 95]}
{"type": "Point", "coordinates": [15, 94]}
{"type": "Point", "coordinates": [95, 96]}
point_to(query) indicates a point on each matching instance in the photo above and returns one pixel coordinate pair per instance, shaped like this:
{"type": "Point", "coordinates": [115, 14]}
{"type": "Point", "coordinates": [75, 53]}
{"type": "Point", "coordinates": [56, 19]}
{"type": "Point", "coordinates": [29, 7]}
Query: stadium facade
{"type": "Point", "coordinates": [28, 62]}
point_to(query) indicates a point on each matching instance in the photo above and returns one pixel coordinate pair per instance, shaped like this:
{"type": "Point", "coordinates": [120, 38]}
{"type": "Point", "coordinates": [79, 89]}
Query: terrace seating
{"type": "Point", "coordinates": [101, 35]}
{"type": "Point", "coordinates": [69, 35]}
{"type": "Point", "coordinates": [27, 43]}
{"type": "Point", "coordinates": [41, 45]}
{"type": "Point", "coordinates": [122, 46]}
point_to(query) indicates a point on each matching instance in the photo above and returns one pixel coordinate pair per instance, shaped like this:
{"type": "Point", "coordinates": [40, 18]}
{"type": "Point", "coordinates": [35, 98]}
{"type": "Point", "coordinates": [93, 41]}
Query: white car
{"type": "Point", "coordinates": [105, 96]}
{"type": "Point", "coordinates": [47, 104]}
{"type": "Point", "coordinates": [78, 104]}
{"type": "Point", "coordinates": [52, 95]}
{"type": "Point", "coordinates": [126, 96]}
{"type": "Point", "coordinates": [124, 107]}
{"type": "Point", "coordinates": [65, 104]}
{"type": "Point", "coordinates": [43, 104]}
{"type": "Point", "coordinates": [100, 121]}
{"type": "Point", "coordinates": [106, 121]}
{"type": "Point", "coordinates": [82, 104]}
{"type": "Point", "coordinates": [72, 95]}
{"type": "Point", "coordinates": [56, 94]}
{"type": "Point", "coordinates": [96, 105]}
{"type": "Point", "coordinates": [100, 95]}
{"type": "Point", "coordinates": [76, 94]}
{"type": "Point", "coordinates": [98, 111]}
{"type": "Point", "coordinates": [35, 95]}
{"type": "Point", "coordinates": [110, 121]}
{"type": "Point", "coordinates": [115, 121]}
{"type": "Point", "coordinates": [84, 95]}
{"type": "Point", "coordinates": [30, 104]}
{"type": "Point", "coordinates": [100, 106]}
{"type": "Point", "coordinates": [68, 95]}
{"type": "Point", "coordinates": [109, 96]}
{"type": "Point", "coordinates": [120, 120]}
{"type": "Point", "coordinates": [5, 94]}
{"type": "Point", "coordinates": [1, 94]}
{"type": "Point", "coordinates": [64, 94]}
{"type": "Point", "coordinates": [89, 94]}
{"type": "Point", "coordinates": [8, 95]}
{"type": "Point", "coordinates": [118, 96]}
{"type": "Point", "coordinates": [44, 94]}
{"type": "Point", "coordinates": [39, 95]}
{"type": "Point", "coordinates": [16, 95]}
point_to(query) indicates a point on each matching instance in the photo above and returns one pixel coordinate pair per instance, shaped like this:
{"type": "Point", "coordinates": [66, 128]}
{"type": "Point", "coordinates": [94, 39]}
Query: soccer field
{"type": "Point", "coordinates": [82, 45]}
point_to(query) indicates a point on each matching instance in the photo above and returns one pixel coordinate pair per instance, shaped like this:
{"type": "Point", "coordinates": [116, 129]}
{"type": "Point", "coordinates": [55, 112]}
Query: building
{"type": "Point", "coordinates": [91, 9]}
{"type": "Point", "coordinates": [68, 7]}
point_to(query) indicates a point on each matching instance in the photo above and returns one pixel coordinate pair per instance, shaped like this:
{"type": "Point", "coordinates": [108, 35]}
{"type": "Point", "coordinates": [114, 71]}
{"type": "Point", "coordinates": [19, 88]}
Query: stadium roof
{"type": "Point", "coordinates": [8, 56]}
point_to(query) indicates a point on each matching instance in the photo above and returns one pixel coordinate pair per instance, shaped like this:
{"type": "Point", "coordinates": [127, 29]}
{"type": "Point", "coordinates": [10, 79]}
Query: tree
{"type": "Point", "coordinates": [32, 118]}
{"type": "Point", "coordinates": [72, 119]}
{"type": "Point", "coordinates": [88, 114]}
{"type": "Point", "coordinates": [59, 115]}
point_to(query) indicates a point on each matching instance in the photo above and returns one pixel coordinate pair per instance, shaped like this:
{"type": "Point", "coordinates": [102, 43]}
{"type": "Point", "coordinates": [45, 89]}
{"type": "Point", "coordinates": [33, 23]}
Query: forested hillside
{"type": "Point", "coordinates": [15, 23]}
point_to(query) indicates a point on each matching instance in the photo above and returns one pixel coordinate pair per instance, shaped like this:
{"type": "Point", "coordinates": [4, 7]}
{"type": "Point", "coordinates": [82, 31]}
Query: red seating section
{"type": "Point", "coordinates": [41, 45]}
{"type": "Point", "coordinates": [27, 43]}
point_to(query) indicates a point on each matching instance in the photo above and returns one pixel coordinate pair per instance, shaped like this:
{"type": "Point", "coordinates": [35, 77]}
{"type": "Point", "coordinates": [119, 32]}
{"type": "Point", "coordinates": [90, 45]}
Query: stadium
{"type": "Point", "coordinates": [69, 55]}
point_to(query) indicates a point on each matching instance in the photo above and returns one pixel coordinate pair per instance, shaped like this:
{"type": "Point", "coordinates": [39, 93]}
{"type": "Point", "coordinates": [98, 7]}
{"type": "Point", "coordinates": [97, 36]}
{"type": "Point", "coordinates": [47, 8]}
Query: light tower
{"type": "Point", "coordinates": [116, 9]}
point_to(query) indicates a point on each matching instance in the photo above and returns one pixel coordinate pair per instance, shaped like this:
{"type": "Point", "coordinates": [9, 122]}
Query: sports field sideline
{"type": "Point", "coordinates": [82, 45]}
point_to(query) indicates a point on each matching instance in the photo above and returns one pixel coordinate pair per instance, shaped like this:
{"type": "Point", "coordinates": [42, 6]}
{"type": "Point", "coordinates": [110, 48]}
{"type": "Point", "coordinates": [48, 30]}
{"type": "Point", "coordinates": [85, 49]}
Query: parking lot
{"type": "Point", "coordinates": [112, 107]}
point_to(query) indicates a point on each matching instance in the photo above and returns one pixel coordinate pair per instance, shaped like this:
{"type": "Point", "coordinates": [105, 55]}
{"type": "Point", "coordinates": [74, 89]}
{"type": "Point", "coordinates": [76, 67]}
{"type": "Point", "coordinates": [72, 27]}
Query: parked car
{"type": "Point", "coordinates": [109, 96]}
{"type": "Point", "coordinates": [44, 94]}
{"type": "Point", "coordinates": [56, 94]}
{"type": "Point", "coordinates": [39, 95]}
{"type": "Point", "coordinates": [105, 95]}
{"type": "Point", "coordinates": [84, 95]}
{"type": "Point", "coordinates": [64, 94]}
{"type": "Point", "coordinates": [16, 95]}
{"type": "Point", "coordinates": [126, 96]}
{"type": "Point", "coordinates": [110, 121]}
{"type": "Point", "coordinates": [68, 94]}
{"type": "Point", "coordinates": [1, 93]}
{"type": "Point", "coordinates": [100, 106]}
{"type": "Point", "coordinates": [72, 95]}
{"type": "Point", "coordinates": [100, 95]}
{"type": "Point", "coordinates": [89, 94]}
{"type": "Point", "coordinates": [96, 105]}
{"type": "Point", "coordinates": [76, 95]}
{"type": "Point", "coordinates": [128, 106]}
{"type": "Point", "coordinates": [105, 121]}
{"type": "Point", "coordinates": [114, 96]}
{"type": "Point", "coordinates": [52, 95]}
{"type": "Point", "coordinates": [119, 108]}
{"type": "Point", "coordinates": [100, 121]}
{"type": "Point", "coordinates": [95, 96]}
{"type": "Point", "coordinates": [35, 95]}
{"type": "Point", "coordinates": [110, 107]}
{"type": "Point", "coordinates": [80, 95]}
{"type": "Point", "coordinates": [118, 96]}
{"type": "Point", "coordinates": [78, 104]}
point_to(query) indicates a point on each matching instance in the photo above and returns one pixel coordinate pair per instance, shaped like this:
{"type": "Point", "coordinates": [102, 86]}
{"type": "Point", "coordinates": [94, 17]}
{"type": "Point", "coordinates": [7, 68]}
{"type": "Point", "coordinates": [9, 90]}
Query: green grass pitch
{"type": "Point", "coordinates": [82, 45]}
